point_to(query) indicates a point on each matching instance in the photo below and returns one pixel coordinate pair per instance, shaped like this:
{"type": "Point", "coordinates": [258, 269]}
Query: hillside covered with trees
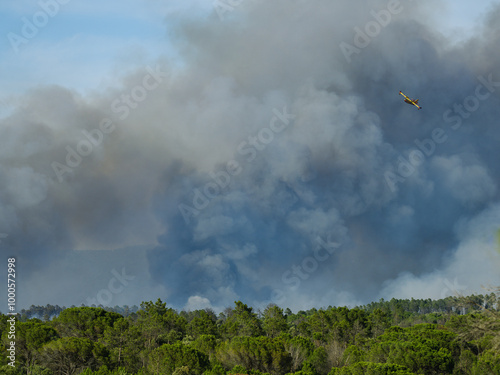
{"type": "Point", "coordinates": [455, 335]}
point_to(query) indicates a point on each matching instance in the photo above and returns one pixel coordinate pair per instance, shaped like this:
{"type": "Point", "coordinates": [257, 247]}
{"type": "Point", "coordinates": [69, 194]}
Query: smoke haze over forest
{"type": "Point", "coordinates": [264, 155]}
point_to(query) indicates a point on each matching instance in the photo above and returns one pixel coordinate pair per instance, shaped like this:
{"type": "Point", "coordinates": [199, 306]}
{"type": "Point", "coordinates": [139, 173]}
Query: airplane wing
{"type": "Point", "coordinates": [404, 96]}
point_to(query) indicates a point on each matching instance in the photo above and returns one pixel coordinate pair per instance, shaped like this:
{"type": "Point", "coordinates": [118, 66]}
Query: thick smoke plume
{"type": "Point", "coordinates": [275, 163]}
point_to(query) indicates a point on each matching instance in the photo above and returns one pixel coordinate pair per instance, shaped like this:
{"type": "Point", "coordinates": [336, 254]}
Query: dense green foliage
{"type": "Point", "coordinates": [458, 336]}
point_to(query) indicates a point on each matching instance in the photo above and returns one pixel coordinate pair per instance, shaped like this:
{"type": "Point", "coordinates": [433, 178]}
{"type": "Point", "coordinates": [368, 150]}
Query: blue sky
{"type": "Point", "coordinates": [223, 82]}
{"type": "Point", "coordinates": [86, 44]}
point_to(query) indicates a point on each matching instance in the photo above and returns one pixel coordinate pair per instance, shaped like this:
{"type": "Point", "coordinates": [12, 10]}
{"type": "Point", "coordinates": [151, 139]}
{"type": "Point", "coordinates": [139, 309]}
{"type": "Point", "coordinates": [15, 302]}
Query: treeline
{"type": "Point", "coordinates": [449, 336]}
{"type": "Point", "coordinates": [46, 313]}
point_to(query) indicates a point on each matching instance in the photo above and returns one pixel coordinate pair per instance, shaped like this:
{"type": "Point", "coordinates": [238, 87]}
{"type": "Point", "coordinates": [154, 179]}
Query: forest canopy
{"type": "Point", "coordinates": [455, 335]}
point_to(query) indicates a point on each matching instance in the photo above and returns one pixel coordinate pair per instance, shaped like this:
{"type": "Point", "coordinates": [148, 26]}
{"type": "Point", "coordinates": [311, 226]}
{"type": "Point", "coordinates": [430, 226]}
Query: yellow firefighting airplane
{"type": "Point", "coordinates": [411, 101]}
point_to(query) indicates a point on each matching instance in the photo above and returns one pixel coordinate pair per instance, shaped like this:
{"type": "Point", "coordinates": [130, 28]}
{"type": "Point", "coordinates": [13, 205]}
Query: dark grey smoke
{"type": "Point", "coordinates": [270, 167]}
